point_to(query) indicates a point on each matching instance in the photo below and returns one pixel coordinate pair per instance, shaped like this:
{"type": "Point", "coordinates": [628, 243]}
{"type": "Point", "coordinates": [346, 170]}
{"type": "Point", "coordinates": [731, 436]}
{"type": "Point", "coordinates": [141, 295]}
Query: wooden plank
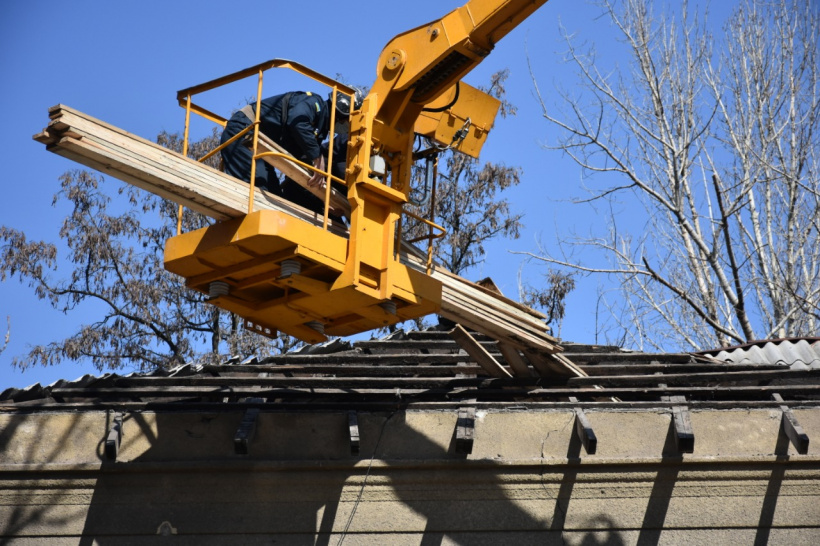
{"type": "Point", "coordinates": [797, 436]}
{"type": "Point", "coordinates": [510, 353]}
{"type": "Point", "coordinates": [170, 175]}
{"type": "Point", "coordinates": [478, 353]}
{"type": "Point", "coordinates": [141, 151]}
{"type": "Point", "coordinates": [514, 360]}
{"type": "Point", "coordinates": [493, 391]}
{"type": "Point", "coordinates": [491, 308]}
{"type": "Point", "coordinates": [406, 359]}
{"type": "Point", "coordinates": [477, 304]}
{"type": "Point", "coordinates": [375, 370]}
{"type": "Point", "coordinates": [473, 304]}
{"type": "Point", "coordinates": [600, 370]}
{"type": "Point", "coordinates": [432, 364]}
{"type": "Point", "coordinates": [566, 364]}
{"type": "Point", "coordinates": [456, 311]}
{"type": "Point", "coordinates": [334, 382]}
{"type": "Point", "coordinates": [417, 346]}
{"type": "Point", "coordinates": [489, 287]}
{"type": "Point", "coordinates": [100, 161]}
{"type": "Point", "coordinates": [611, 358]}
{"type": "Point", "coordinates": [298, 174]}
{"type": "Point", "coordinates": [543, 364]}
{"type": "Point", "coordinates": [222, 206]}
{"type": "Point", "coordinates": [692, 378]}
{"type": "Point", "coordinates": [430, 377]}
{"type": "Point", "coordinates": [173, 172]}
{"type": "Point", "coordinates": [439, 354]}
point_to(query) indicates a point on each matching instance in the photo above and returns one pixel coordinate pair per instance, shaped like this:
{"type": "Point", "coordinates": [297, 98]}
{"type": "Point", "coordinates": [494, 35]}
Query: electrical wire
{"type": "Point", "coordinates": [364, 482]}
{"type": "Point", "coordinates": [452, 102]}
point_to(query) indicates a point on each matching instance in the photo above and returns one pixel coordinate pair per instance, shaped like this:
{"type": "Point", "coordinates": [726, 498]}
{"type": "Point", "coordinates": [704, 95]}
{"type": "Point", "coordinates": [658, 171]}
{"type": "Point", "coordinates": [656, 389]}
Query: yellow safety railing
{"type": "Point", "coordinates": [185, 99]}
{"type": "Point", "coordinates": [430, 236]}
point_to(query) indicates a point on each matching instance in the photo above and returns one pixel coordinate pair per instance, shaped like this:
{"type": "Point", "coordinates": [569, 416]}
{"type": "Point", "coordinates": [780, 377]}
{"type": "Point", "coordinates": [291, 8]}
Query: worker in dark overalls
{"type": "Point", "coordinates": [297, 194]}
{"type": "Point", "coordinates": [297, 121]}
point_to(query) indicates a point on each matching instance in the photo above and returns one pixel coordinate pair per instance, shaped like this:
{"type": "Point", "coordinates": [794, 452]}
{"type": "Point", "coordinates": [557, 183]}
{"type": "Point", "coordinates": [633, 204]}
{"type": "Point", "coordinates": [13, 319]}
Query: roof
{"type": "Point", "coordinates": [798, 353]}
{"type": "Point", "coordinates": [429, 370]}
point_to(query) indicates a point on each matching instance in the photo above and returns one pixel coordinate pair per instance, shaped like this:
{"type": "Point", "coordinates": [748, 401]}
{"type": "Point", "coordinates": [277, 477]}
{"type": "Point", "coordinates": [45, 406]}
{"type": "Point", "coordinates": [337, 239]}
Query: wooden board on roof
{"type": "Point", "coordinates": [164, 172]}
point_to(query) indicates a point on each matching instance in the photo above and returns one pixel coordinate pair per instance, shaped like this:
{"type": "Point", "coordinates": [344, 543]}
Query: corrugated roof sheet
{"type": "Point", "coordinates": [799, 354]}
{"type": "Point", "coordinates": [427, 369]}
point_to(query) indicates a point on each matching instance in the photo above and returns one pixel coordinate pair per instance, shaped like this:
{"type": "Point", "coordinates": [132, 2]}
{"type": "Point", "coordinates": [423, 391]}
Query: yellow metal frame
{"type": "Point", "coordinates": [251, 256]}
{"type": "Point", "coordinates": [283, 273]}
{"type": "Point", "coordinates": [247, 254]}
{"type": "Point", "coordinates": [184, 97]}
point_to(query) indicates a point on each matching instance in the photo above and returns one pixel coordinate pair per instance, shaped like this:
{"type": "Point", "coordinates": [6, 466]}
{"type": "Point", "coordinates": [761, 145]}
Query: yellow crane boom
{"type": "Point", "coordinates": [309, 282]}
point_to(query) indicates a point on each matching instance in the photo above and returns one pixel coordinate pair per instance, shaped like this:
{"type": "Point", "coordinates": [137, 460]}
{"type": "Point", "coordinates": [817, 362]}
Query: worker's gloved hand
{"type": "Point", "coordinates": [318, 178]}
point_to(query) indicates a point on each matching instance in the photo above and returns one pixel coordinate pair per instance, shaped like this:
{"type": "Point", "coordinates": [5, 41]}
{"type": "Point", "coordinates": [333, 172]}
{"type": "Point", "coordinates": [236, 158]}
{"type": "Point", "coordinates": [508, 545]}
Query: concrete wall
{"type": "Point", "coordinates": [527, 480]}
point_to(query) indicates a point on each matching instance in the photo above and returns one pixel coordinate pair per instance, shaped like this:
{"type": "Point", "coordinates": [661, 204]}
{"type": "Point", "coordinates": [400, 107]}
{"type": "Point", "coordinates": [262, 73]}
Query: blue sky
{"type": "Point", "coordinates": [123, 62]}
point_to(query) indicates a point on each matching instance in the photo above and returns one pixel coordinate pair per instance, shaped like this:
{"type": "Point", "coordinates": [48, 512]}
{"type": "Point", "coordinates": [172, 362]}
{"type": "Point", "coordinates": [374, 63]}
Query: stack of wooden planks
{"type": "Point", "coordinates": [296, 172]}
{"type": "Point", "coordinates": [140, 162]}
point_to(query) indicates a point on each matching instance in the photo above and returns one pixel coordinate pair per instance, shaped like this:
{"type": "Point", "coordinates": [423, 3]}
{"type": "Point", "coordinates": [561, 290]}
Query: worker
{"type": "Point", "coordinates": [297, 194]}
{"type": "Point", "coordinates": [298, 121]}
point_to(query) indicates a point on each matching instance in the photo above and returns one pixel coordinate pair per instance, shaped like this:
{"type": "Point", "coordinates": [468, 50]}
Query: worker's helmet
{"type": "Point", "coordinates": [343, 102]}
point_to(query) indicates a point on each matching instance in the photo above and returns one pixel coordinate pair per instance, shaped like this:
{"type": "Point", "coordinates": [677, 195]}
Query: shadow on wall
{"type": "Point", "coordinates": [178, 476]}
{"type": "Point", "coordinates": [32, 501]}
{"type": "Point", "coordinates": [772, 490]}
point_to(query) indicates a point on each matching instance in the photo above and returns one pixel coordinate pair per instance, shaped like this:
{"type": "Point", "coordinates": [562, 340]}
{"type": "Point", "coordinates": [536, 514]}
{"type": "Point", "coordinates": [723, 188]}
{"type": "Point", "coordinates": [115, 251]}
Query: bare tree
{"type": "Point", "coordinates": [551, 297]}
{"type": "Point", "coordinates": [7, 337]}
{"type": "Point", "coordinates": [147, 318]}
{"type": "Point", "coordinates": [715, 138]}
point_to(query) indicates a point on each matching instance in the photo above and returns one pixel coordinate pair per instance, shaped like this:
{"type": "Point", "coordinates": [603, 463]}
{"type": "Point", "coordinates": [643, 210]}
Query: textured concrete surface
{"type": "Point", "coordinates": [527, 481]}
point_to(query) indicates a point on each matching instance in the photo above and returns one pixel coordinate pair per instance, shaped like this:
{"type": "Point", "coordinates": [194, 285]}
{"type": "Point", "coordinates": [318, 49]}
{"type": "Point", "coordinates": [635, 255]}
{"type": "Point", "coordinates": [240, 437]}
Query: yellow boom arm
{"type": "Point", "coordinates": [281, 273]}
{"type": "Point", "coordinates": [414, 70]}
{"type": "Point", "coordinates": [417, 66]}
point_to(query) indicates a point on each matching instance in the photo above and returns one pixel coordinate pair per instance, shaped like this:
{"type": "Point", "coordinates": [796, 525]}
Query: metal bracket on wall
{"type": "Point", "coordinates": [792, 429]}
{"type": "Point", "coordinates": [353, 426]}
{"type": "Point", "coordinates": [247, 428]}
{"type": "Point", "coordinates": [584, 429]}
{"type": "Point", "coordinates": [114, 438]}
{"type": "Point", "coordinates": [465, 430]}
{"type": "Point", "coordinates": [684, 435]}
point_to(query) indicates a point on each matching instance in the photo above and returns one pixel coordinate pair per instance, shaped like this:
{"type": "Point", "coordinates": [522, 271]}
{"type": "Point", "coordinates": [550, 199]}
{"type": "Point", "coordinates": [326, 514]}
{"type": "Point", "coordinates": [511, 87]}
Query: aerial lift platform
{"type": "Point", "coordinates": [283, 274]}
{"type": "Point", "coordinates": [282, 269]}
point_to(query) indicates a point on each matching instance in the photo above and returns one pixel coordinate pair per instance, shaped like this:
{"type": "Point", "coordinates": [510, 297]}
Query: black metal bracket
{"type": "Point", "coordinates": [114, 438]}
{"type": "Point", "coordinates": [247, 428]}
{"type": "Point", "coordinates": [353, 426]}
{"type": "Point", "coordinates": [684, 434]}
{"type": "Point", "coordinates": [793, 430]}
{"type": "Point", "coordinates": [465, 430]}
{"type": "Point", "coordinates": [583, 428]}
